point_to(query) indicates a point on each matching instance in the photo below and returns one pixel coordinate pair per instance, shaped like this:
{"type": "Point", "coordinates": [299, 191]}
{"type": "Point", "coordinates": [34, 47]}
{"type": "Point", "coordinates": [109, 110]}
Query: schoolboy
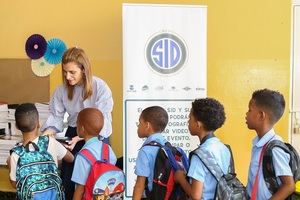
{"type": "Point", "coordinates": [206, 116]}
{"type": "Point", "coordinates": [89, 124]}
{"type": "Point", "coordinates": [153, 120]}
{"type": "Point", "coordinates": [27, 121]}
{"type": "Point", "coordinates": [265, 109]}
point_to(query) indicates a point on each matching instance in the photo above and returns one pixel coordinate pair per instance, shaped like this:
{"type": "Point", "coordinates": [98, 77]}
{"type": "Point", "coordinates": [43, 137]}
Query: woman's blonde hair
{"type": "Point", "coordinates": [79, 57]}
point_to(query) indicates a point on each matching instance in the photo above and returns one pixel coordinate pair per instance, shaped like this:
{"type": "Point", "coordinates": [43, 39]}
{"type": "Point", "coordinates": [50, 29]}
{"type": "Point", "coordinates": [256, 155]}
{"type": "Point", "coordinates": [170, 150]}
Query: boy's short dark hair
{"type": "Point", "coordinates": [27, 117]}
{"type": "Point", "coordinates": [92, 119]}
{"type": "Point", "coordinates": [210, 112]}
{"type": "Point", "coordinates": [272, 101]}
{"type": "Point", "coordinates": [156, 116]}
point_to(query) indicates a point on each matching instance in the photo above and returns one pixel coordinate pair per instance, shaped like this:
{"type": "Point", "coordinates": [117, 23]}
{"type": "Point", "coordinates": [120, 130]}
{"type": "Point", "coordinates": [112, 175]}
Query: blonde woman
{"type": "Point", "coordinates": [80, 89]}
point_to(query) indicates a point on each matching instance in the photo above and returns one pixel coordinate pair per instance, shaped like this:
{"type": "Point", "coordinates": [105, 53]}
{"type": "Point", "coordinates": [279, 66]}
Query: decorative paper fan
{"type": "Point", "coordinates": [41, 68]}
{"type": "Point", "coordinates": [55, 51]}
{"type": "Point", "coordinates": [35, 46]}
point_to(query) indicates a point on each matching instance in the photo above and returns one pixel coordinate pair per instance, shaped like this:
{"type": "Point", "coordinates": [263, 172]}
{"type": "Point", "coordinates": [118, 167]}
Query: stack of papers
{"type": "Point", "coordinates": [6, 144]}
{"type": "Point", "coordinates": [3, 119]}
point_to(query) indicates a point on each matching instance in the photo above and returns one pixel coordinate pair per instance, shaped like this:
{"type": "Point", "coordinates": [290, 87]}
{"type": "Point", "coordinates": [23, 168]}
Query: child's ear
{"type": "Point", "coordinates": [148, 125]}
{"type": "Point", "coordinates": [262, 115]}
{"type": "Point", "coordinates": [199, 124]}
{"type": "Point", "coordinates": [38, 125]}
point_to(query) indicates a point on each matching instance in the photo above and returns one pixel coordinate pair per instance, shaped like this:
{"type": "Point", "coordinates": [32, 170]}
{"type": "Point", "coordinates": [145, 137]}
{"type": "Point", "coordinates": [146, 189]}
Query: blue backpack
{"type": "Point", "coordinates": [36, 172]}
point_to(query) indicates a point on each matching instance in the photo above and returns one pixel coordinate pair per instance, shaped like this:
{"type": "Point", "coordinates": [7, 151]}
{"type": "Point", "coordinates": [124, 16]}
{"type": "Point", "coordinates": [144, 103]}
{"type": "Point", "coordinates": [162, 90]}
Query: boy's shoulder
{"type": "Point", "coordinates": [156, 137]}
{"type": "Point", "coordinates": [19, 147]}
{"type": "Point", "coordinates": [96, 149]}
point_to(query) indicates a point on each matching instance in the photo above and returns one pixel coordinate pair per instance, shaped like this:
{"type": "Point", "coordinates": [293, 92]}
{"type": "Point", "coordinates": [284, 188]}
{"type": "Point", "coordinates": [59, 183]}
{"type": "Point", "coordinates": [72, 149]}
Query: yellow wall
{"type": "Point", "coordinates": [248, 49]}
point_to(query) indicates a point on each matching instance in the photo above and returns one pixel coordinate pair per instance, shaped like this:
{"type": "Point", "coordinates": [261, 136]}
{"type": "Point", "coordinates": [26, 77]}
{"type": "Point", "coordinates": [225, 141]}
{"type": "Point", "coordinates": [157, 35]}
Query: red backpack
{"type": "Point", "coordinates": [105, 179]}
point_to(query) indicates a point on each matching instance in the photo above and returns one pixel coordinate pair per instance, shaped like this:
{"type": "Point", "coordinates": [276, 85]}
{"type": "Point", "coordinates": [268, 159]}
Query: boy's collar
{"type": "Point", "coordinates": [91, 140]}
{"type": "Point", "coordinates": [151, 138]}
{"type": "Point", "coordinates": [210, 135]}
{"type": "Point", "coordinates": [262, 141]}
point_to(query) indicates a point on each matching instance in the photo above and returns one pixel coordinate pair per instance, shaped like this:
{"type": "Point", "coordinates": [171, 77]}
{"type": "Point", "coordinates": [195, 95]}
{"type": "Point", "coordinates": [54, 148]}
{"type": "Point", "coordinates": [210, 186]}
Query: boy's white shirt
{"type": "Point", "coordinates": [56, 149]}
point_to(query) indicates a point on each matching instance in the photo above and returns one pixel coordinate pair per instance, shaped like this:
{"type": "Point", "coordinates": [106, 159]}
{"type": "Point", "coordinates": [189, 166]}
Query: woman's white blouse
{"type": "Point", "coordinates": [59, 104]}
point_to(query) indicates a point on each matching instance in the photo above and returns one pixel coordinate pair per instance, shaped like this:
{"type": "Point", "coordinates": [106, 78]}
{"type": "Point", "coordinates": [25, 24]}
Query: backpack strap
{"type": "Point", "coordinates": [153, 143]}
{"type": "Point", "coordinates": [92, 159]}
{"type": "Point", "coordinates": [268, 167]}
{"type": "Point", "coordinates": [209, 162]}
{"type": "Point", "coordinates": [105, 152]}
{"type": "Point", "coordinates": [43, 143]}
{"type": "Point", "coordinates": [168, 149]}
{"type": "Point", "coordinates": [185, 160]}
{"type": "Point", "coordinates": [88, 155]}
{"type": "Point", "coordinates": [35, 146]}
{"type": "Point", "coordinates": [19, 150]}
{"type": "Point", "coordinates": [231, 168]}
{"type": "Point", "coordinates": [255, 184]}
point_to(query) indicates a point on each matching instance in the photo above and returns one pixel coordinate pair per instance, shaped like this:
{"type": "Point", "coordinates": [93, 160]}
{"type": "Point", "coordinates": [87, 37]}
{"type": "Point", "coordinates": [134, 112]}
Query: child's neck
{"type": "Point", "coordinates": [29, 136]}
{"type": "Point", "coordinates": [204, 134]}
{"type": "Point", "coordinates": [263, 130]}
{"type": "Point", "coordinates": [87, 137]}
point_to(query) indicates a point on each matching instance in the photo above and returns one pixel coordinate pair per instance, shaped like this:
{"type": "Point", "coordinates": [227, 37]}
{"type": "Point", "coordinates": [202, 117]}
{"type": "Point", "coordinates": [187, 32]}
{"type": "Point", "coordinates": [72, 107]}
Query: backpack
{"type": "Point", "coordinates": [167, 161]}
{"type": "Point", "coordinates": [268, 167]}
{"type": "Point", "coordinates": [229, 186]}
{"type": "Point", "coordinates": [36, 172]}
{"type": "Point", "coordinates": [105, 180]}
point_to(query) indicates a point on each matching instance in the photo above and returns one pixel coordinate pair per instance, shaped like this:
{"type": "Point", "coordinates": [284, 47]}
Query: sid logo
{"type": "Point", "coordinates": [166, 53]}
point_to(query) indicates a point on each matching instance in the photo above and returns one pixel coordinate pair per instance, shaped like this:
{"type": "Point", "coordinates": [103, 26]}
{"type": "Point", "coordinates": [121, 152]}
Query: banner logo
{"type": "Point", "coordinates": [166, 53]}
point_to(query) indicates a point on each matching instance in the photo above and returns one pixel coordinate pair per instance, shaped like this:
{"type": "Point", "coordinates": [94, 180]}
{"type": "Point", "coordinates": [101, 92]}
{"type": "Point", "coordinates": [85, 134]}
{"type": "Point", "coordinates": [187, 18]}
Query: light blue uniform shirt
{"type": "Point", "coordinates": [280, 162]}
{"type": "Point", "coordinates": [82, 166]}
{"type": "Point", "coordinates": [60, 104]}
{"type": "Point", "coordinates": [146, 158]}
{"type": "Point", "coordinates": [199, 172]}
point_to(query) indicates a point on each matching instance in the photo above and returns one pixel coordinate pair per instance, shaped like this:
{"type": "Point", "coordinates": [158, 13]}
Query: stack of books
{"type": "Point", "coordinates": [4, 128]}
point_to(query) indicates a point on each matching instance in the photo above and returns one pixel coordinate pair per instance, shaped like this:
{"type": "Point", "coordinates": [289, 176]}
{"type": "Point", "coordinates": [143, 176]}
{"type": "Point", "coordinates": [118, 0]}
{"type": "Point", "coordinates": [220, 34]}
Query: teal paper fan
{"type": "Point", "coordinates": [55, 51]}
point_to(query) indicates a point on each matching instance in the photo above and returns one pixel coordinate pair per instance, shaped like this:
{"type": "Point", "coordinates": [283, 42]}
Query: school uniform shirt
{"type": "Point", "coordinates": [146, 158]}
{"type": "Point", "coordinates": [82, 166]}
{"type": "Point", "coordinates": [56, 149]}
{"type": "Point", "coordinates": [280, 162]}
{"type": "Point", "coordinates": [199, 172]}
{"type": "Point", "coordinates": [60, 104]}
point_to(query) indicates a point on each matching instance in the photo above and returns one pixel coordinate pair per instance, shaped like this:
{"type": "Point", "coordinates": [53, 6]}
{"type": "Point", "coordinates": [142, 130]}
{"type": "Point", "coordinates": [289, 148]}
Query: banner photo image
{"type": "Point", "coordinates": [164, 64]}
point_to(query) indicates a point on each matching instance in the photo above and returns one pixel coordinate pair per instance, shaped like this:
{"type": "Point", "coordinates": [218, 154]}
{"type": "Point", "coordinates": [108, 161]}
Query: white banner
{"type": "Point", "coordinates": [295, 77]}
{"type": "Point", "coordinates": [164, 63]}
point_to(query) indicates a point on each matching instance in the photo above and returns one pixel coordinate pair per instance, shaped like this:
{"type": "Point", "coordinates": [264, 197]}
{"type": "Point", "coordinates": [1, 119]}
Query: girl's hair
{"type": "Point", "coordinates": [79, 57]}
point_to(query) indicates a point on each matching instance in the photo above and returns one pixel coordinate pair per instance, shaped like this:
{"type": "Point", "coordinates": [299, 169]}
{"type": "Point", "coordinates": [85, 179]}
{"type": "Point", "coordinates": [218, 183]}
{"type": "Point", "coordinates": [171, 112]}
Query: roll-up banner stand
{"type": "Point", "coordinates": [164, 64]}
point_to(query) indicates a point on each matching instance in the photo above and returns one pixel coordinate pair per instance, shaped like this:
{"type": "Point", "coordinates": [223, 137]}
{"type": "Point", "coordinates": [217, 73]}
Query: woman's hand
{"type": "Point", "coordinates": [49, 132]}
{"type": "Point", "coordinates": [71, 144]}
